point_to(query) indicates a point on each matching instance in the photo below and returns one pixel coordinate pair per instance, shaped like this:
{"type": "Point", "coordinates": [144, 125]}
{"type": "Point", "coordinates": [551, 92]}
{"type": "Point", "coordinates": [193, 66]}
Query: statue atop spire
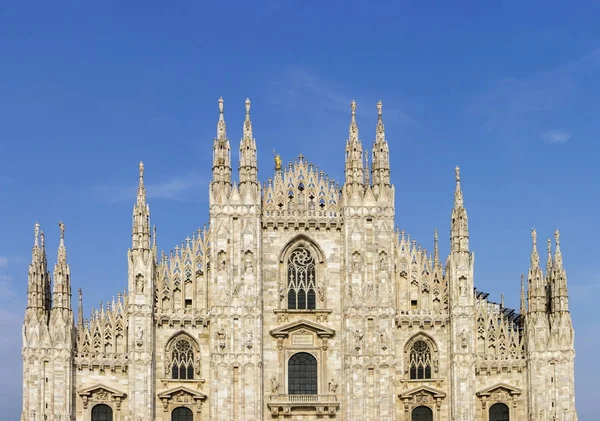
{"type": "Point", "coordinates": [61, 226]}
{"type": "Point", "coordinates": [220, 108]}
{"type": "Point", "coordinates": [221, 170]}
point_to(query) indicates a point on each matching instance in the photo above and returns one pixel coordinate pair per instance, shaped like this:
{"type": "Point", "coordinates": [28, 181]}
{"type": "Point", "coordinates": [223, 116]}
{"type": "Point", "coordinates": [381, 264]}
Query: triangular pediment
{"type": "Point", "coordinates": [99, 389]}
{"type": "Point", "coordinates": [422, 390]}
{"type": "Point", "coordinates": [310, 327]}
{"type": "Point", "coordinates": [499, 386]}
{"type": "Point", "coordinates": [181, 391]}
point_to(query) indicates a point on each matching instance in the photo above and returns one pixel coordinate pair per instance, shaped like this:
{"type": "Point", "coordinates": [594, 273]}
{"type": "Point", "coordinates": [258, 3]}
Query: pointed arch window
{"type": "Point", "coordinates": [301, 280]}
{"type": "Point", "coordinates": [182, 360]}
{"type": "Point", "coordinates": [420, 361]}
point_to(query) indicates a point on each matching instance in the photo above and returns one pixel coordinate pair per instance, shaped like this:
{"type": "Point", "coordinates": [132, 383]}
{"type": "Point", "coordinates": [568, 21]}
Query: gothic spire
{"type": "Point", "coordinates": [248, 170]}
{"type": "Point", "coordinates": [141, 216]}
{"type": "Point", "coordinates": [460, 224]}
{"type": "Point", "coordinates": [536, 289]}
{"type": "Point", "coordinates": [38, 285]}
{"type": "Point", "coordinates": [221, 153]}
{"type": "Point", "coordinates": [559, 291]}
{"type": "Point", "coordinates": [436, 250]}
{"type": "Point", "coordinates": [80, 309]}
{"type": "Point", "coordinates": [61, 294]}
{"type": "Point", "coordinates": [523, 308]}
{"type": "Point", "coordinates": [381, 152]}
{"type": "Point", "coordinates": [354, 152]}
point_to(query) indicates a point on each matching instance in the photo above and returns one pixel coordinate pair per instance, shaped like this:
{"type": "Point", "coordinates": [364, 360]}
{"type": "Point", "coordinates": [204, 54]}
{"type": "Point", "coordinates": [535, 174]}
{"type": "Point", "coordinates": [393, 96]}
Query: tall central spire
{"type": "Point", "coordinates": [354, 159]}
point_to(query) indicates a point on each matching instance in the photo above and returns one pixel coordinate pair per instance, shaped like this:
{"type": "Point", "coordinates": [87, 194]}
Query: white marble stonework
{"type": "Point", "coordinates": [301, 300]}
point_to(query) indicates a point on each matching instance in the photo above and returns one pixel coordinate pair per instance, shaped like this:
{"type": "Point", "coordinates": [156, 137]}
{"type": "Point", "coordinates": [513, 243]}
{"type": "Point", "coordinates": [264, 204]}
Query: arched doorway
{"type": "Point", "coordinates": [102, 412]}
{"type": "Point", "coordinates": [422, 413]}
{"type": "Point", "coordinates": [182, 414]}
{"type": "Point", "coordinates": [302, 374]}
{"type": "Point", "coordinates": [499, 412]}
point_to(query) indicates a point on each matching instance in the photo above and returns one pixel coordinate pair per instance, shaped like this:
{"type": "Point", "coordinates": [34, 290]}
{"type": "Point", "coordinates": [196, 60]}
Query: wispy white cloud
{"type": "Point", "coordinates": [3, 261]}
{"type": "Point", "coordinates": [556, 136]}
{"type": "Point", "coordinates": [307, 91]}
{"type": "Point", "coordinates": [171, 188]}
{"type": "Point", "coordinates": [518, 101]}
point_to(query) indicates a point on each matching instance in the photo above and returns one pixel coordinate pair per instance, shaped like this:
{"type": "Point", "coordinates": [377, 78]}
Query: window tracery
{"type": "Point", "coordinates": [420, 360]}
{"type": "Point", "coordinates": [182, 360]}
{"type": "Point", "coordinates": [301, 279]}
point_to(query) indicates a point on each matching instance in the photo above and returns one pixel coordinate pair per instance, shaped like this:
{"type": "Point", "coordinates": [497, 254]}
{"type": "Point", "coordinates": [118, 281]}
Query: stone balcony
{"type": "Point", "coordinates": [324, 405]}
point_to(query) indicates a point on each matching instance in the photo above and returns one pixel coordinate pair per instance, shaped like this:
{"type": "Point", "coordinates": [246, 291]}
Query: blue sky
{"type": "Point", "coordinates": [510, 91]}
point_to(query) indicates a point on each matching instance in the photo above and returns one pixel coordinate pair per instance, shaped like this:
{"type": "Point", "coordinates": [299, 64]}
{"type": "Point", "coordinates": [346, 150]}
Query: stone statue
{"type": "Point", "coordinates": [463, 338]}
{"type": "Point", "coordinates": [248, 263]}
{"type": "Point", "coordinates": [61, 225]}
{"type": "Point", "coordinates": [333, 386]}
{"type": "Point", "coordinates": [139, 284]}
{"type": "Point", "coordinates": [139, 336]}
{"type": "Point", "coordinates": [274, 385]}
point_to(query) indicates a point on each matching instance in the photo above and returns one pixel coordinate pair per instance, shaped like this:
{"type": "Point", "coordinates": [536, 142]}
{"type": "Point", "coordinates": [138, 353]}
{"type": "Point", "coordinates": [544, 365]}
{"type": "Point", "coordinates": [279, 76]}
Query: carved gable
{"type": "Point", "coordinates": [499, 391]}
{"type": "Point", "coordinates": [181, 395]}
{"type": "Point", "coordinates": [305, 326]}
{"type": "Point", "coordinates": [101, 394]}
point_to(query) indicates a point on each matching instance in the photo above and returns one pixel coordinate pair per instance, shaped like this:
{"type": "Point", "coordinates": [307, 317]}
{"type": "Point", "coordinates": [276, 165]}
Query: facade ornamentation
{"type": "Point", "coordinates": [299, 300]}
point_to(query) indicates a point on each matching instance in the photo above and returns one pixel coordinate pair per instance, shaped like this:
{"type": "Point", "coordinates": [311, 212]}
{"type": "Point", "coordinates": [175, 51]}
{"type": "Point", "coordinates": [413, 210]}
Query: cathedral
{"type": "Point", "coordinates": [301, 300]}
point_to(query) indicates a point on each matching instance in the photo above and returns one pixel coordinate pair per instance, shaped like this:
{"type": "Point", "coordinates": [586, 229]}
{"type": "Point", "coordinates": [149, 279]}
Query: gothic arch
{"type": "Point", "coordinates": [424, 347]}
{"type": "Point", "coordinates": [308, 242]}
{"type": "Point", "coordinates": [178, 335]}
{"type": "Point", "coordinates": [302, 275]}
{"type": "Point", "coordinates": [182, 359]}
